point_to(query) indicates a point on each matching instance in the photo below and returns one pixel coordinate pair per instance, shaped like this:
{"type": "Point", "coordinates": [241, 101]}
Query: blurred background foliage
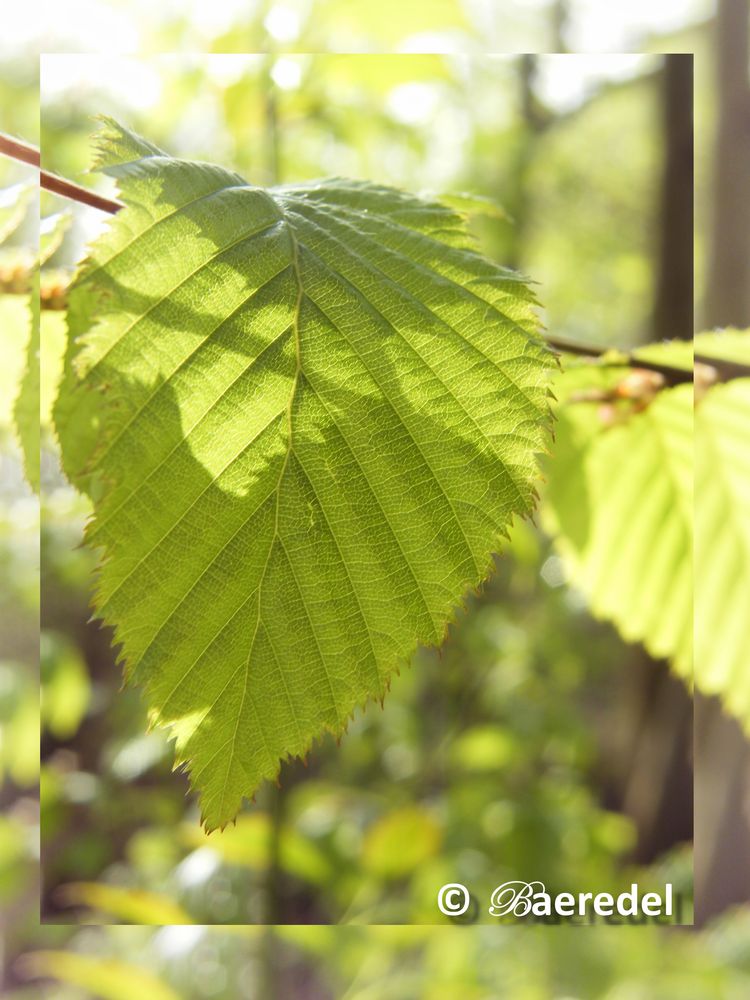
{"type": "Point", "coordinates": [19, 542]}
{"type": "Point", "coordinates": [536, 744]}
{"type": "Point", "coordinates": [500, 128]}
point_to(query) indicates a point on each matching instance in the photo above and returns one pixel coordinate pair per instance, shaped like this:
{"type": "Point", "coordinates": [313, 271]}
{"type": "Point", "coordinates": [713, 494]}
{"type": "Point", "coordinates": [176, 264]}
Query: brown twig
{"type": "Point", "coordinates": [58, 185]}
{"type": "Point", "coordinates": [671, 374]}
{"type": "Point", "coordinates": [18, 150]}
{"type": "Point", "coordinates": [726, 370]}
{"type": "Point", "coordinates": [26, 153]}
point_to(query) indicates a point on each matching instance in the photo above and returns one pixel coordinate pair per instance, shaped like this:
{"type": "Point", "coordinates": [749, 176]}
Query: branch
{"type": "Point", "coordinates": [26, 153]}
{"type": "Point", "coordinates": [622, 359]}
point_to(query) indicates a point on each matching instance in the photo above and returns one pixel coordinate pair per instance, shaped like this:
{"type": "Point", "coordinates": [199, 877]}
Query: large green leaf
{"type": "Point", "coordinates": [619, 504]}
{"type": "Point", "coordinates": [305, 417]}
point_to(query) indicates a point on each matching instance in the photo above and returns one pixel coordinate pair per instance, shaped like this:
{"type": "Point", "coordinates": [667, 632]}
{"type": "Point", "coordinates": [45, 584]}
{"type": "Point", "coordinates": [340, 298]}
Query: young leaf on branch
{"type": "Point", "coordinates": [26, 410]}
{"type": "Point", "coordinates": [305, 417]}
{"type": "Point", "coordinates": [19, 278]}
{"type": "Point", "coordinates": [620, 505]}
{"type": "Point", "coordinates": [26, 406]}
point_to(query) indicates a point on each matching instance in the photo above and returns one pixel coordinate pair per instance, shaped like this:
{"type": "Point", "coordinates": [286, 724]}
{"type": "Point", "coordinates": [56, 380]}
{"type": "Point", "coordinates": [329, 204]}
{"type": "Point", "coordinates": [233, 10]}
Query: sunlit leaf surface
{"type": "Point", "coordinates": [305, 415]}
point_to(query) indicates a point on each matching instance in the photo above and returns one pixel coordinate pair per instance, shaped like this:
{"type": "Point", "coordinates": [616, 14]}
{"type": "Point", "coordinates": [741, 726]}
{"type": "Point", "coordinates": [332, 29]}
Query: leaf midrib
{"type": "Point", "coordinates": [276, 536]}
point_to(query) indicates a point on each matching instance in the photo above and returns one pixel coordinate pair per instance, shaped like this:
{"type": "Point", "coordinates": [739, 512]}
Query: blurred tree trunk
{"type": "Point", "coordinates": [673, 298]}
{"type": "Point", "coordinates": [653, 778]}
{"type": "Point", "coordinates": [728, 285]}
{"type": "Point", "coordinates": [722, 752]}
{"type": "Point", "coordinates": [656, 778]}
{"type": "Point", "coordinates": [722, 811]}
{"type": "Point", "coordinates": [516, 185]}
{"type": "Point", "coordinates": [560, 18]}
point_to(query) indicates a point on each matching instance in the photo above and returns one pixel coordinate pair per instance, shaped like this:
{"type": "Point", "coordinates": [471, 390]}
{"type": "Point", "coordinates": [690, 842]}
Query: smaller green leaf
{"type": "Point", "coordinates": [619, 505]}
{"type": "Point", "coordinates": [675, 353]}
{"type": "Point", "coordinates": [722, 529]}
{"type": "Point", "coordinates": [22, 333]}
{"type": "Point", "coordinates": [14, 204]}
{"type": "Point", "coordinates": [52, 230]}
{"type": "Point", "coordinates": [26, 409]}
{"type": "Point", "coordinates": [14, 318]}
{"type": "Point", "coordinates": [727, 345]}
